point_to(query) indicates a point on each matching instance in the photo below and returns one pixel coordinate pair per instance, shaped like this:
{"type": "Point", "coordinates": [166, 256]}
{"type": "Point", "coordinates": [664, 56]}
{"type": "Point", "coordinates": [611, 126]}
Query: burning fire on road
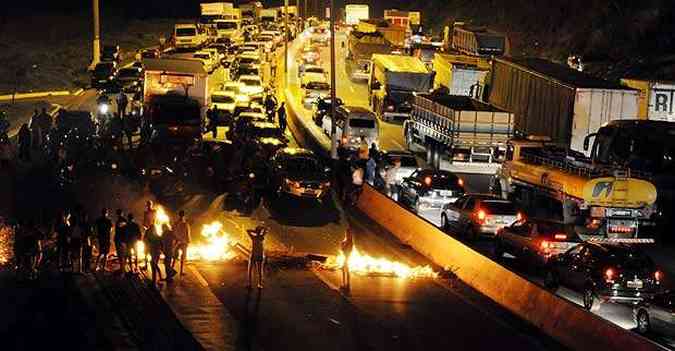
{"type": "Point", "coordinates": [362, 264]}
{"type": "Point", "coordinates": [215, 245]}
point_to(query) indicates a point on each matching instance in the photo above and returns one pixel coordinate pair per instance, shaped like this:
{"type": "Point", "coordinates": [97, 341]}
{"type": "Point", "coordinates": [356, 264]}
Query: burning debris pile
{"type": "Point", "coordinates": [365, 265]}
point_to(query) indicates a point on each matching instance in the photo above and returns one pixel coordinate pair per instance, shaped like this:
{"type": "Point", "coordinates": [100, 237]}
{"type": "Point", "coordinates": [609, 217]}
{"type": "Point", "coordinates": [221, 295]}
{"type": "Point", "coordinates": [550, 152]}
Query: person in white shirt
{"type": "Point", "coordinates": [183, 239]}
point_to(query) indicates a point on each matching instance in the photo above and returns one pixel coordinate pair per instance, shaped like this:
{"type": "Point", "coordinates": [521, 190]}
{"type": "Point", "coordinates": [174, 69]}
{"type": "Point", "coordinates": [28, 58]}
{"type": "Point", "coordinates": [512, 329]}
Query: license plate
{"type": "Point", "coordinates": [446, 192]}
{"type": "Point", "coordinates": [635, 284]}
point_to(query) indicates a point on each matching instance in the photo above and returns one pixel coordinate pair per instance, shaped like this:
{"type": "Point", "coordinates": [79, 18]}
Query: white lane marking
{"type": "Point", "coordinates": [199, 276]}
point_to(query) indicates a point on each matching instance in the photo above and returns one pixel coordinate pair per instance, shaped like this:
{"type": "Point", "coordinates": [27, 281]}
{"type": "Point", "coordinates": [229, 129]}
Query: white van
{"type": "Point", "coordinates": [354, 125]}
{"type": "Point", "coordinates": [230, 28]}
{"type": "Point", "coordinates": [189, 36]}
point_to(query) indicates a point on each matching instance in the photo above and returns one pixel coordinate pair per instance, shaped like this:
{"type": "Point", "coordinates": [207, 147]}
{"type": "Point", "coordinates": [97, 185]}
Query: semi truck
{"type": "Point", "coordinates": [656, 98]}
{"type": "Point", "coordinates": [395, 35]}
{"type": "Point", "coordinates": [623, 191]}
{"type": "Point", "coordinates": [175, 93]}
{"type": "Point", "coordinates": [360, 49]}
{"type": "Point", "coordinates": [393, 80]}
{"type": "Point", "coordinates": [355, 13]}
{"type": "Point", "coordinates": [476, 40]}
{"type": "Point", "coordinates": [461, 74]}
{"type": "Point", "coordinates": [556, 101]}
{"type": "Point", "coordinates": [468, 134]}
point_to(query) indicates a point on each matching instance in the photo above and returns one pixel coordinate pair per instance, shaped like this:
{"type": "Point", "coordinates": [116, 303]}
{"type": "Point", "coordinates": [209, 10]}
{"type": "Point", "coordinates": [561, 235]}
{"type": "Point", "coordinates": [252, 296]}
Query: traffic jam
{"type": "Point", "coordinates": [544, 169]}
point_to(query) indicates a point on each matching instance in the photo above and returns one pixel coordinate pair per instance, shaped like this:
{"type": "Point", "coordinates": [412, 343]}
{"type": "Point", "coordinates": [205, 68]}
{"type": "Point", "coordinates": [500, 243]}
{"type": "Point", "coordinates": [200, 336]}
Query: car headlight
{"type": "Point", "coordinates": [292, 183]}
{"type": "Point", "coordinates": [103, 108]}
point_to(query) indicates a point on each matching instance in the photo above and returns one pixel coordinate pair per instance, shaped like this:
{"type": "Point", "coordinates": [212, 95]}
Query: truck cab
{"type": "Point", "coordinates": [229, 28]}
{"type": "Point", "coordinates": [189, 36]}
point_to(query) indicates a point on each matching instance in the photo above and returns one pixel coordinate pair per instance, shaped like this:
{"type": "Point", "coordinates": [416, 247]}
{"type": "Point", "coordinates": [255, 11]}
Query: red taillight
{"type": "Point", "coordinates": [560, 237]}
{"type": "Point", "coordinates": [519, 217]}
{"type": "Point", "coordinates": [427, 181]}
{"type": "Point", "coordinates": [460, 182]}
{"type": "Point", "coordinates": [481, 215]}
{"type": "Point", "coordinates": [344, 140]}
{"type": "Point", "coordinates": [658, 275]}
{"type": "Point", "coordinates": [545, 245]}
{"type": "Point", "coordinates": [609, 275]}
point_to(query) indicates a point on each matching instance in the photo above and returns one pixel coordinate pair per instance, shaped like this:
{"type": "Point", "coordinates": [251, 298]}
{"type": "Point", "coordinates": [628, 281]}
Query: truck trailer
{"type": "Point", "coordinates": [478, 40]}
{"type": "Point", "coordinates": [470, 135]}
{"type": "Point", "coordinates": [355, 13]}
{"type": "Point", "coordinates": [393, 80]}
{"type": "Point", "coordinates": [556, 101]}
{"type": "Point", "coordinates": [360, 49]}
{"type": "Point", "coordinates": [461, 74]}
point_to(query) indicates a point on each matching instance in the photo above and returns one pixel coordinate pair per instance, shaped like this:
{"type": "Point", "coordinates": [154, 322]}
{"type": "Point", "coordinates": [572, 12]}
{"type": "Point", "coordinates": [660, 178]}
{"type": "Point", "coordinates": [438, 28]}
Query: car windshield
{"type": "Point", "coordinates": [406, 161]}
{"type": "Point", "coordinates": [627, 258]}
{"type": "Point", "coordinates": [102, 68]}
{"type": "Point", "coordinates": [442, 181]}
{"type": "Point", "coordinates": [185, 32]}
{"type": "Point", "coordinates": [314, 70]}
{"type": "Point", "coordinates": [250, 82]}
{"type": "Point", "coordinates": [248, 61]}
{"type": "Point", "coordinates": [302, 165]}
{"type": "Point", "coordinates": [499, 207]}
{"type": "Point", "coordinates": [127, 73]}
{"type": "Point", "coordinates": [361, 123]}
{"type": "Point", "coordinates": [317, 86]}
{"type": "Point", "coordinates": [226, 25]}
{"type": "Point", "coordinates": [265, 132]}
{"type": "Point", "coordinates": [222, 99]}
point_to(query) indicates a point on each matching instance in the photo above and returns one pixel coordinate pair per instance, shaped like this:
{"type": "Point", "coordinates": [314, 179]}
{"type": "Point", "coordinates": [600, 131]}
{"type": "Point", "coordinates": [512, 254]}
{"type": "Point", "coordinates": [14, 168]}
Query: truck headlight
{"type": "Point", "coordinates": [103, 108]}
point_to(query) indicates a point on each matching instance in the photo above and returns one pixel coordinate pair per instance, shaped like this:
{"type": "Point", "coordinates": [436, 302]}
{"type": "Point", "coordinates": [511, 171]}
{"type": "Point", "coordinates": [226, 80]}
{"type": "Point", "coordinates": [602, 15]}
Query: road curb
{"type": "Point", "coordinates": [42, 94]}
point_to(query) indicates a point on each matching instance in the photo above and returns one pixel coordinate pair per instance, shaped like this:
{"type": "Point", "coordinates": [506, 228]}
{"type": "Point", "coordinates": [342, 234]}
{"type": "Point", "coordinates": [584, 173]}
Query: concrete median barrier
{"type": "Point", "coordinates": [297, 123]}
{"type": "Point", "coordinates": [569, 324]}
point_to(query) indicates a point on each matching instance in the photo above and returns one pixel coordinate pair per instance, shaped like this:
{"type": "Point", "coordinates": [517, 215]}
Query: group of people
{"type": "Point", "coordinates": [30, 137]}
{"type": "Point", "coordinates": [120, 124]}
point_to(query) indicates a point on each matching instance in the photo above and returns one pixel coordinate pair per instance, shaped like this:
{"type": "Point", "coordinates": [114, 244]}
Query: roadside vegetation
{"type": "Point", "coordinates": [57, 57]}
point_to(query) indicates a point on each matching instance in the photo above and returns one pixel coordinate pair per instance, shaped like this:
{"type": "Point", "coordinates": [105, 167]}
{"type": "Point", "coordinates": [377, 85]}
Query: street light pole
{"type": "Point", "coordinates": [96, 44]}
{"type": "Point", "coordinates": [334, 139]}
{"type": "Point", "coordinates": [285, 43]}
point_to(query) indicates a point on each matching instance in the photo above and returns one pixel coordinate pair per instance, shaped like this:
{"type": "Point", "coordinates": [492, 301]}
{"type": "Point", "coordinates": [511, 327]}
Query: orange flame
{"type": "Point", "coordinates": [366, 265]}
{"type": "Point", "coordinates": [216, 245]}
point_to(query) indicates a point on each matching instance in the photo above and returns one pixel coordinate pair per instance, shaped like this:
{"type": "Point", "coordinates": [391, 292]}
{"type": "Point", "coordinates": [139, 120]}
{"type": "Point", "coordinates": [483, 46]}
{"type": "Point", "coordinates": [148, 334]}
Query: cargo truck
{"type": "Point", "coordinates": [214, 11]}
{"type": "Point", "coordinates": [476, 40]}
{"type": "Point", "coordinates": [393, 80]}
{"type": "Point", "coordinates": [470, 135]}
{"type": "Point", "coordinates": [189, 36]}
{"type": "Point", "coordinates": [656, 99]}
{"type": "Point", "coordinates": [268, 16]}
{"type": "Point", "coordinates": [355, 13]}
{"type": "Point", "coordinates": [623, 192]}
{"type": "Point", "coordinates": [556, 101]}
{"type": "Point", "coordinates": [461, 74]}
{"type": "Point", "coordinates": [360, 49]}
{"type": "Point", "coordinates": [175, 92]}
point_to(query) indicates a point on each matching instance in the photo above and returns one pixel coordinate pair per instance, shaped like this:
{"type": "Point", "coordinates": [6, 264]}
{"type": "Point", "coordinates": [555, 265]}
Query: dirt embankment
{"type": "Point", "coordinates": [52, 52]}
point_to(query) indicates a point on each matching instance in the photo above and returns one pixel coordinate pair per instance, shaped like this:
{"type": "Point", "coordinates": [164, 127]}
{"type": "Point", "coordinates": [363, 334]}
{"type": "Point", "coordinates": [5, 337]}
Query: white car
{"type": "Point", "coordinates": [250, 85]}
{"type": "Point", "coordinates": [308, 77]}
{"type": "Point", "coordinates": [215, 54]}
{"type": "Point", "coordinates": [224, 101]}
{"type": "Point", "coordinates": [276, 36]}
{"type": "Point", "coordinates": [315, 89]}
{"type": "Point", "coordinates": [312, 71]}
{"type": "Point", "coordinates": [207, 59]}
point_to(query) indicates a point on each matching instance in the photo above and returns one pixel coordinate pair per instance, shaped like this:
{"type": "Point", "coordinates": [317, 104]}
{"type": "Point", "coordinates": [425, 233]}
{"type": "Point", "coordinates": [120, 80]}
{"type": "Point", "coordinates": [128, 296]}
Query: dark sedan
{"type": "Point", "coordinates": [605, 272]}
{"type": "Point", "coordinates": [534, 241]}
{"type": "Point", "coordinates": [103, 74]}
{"type": "Point", "coordinates": [130, 79]}
{"type": "Point", "coordinates": [656, 314]}
{"type": "Point", "coordinates": [427, 189]}
{"type": "Point", "coordinates": [299, 173]}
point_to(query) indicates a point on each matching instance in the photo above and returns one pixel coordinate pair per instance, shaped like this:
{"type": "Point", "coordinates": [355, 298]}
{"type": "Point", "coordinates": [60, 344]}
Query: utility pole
{"type": "Point", "coordinates": [334, 139]}
{"type": "Point", "coordinates": [285, 43]}
{"type": "Point", "coordinates": [96, 44]}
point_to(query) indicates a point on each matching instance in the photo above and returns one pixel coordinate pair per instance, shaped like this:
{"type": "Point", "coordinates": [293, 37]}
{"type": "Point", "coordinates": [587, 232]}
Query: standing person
{"type": "Point", "coordinates": [36, 137]}
{"type": "Point", "coordinates": [183, 239]}
{"type": "Point", "coordinates": [149, 216]}
{"type": "Point", "coordinates": [168, 247]}
{"type": "Point", "coordinates": [390, 175]}
{"type": "Point", "coordinates": [6, 152]}
{"type": "Point", "coordinates": [117, 130]}
{"type": "Point", "coordinates": [281, 114]}
{"type": "Point", "coordinates": [347, 247]}
{"type": "Point", "coordinates": [374, 153]}
{"type": "Point", "coordinates": [24, 143]}
{"type": "Point", "coordinates": [86, 242]}
{"type": "Point", "coordinates": [133, 233]}
{"type": "Point", "coordinates": [103, 233]}
{"type": "Point", "coordinates": [270, 105]}
{"type": "Point", "coordinates": [122, 102]}
{"type": "Point", "coordinates": [257, 258]}
{"type": "Point", "coordinates": [62, 239]}
{"type": "Point", "coordinates": [154, 245]}
{"type": "Point", "coordinates": [120, 239]}
{"type": "Point", "coordinates": [371, 167]}
{"type": "Point", "coordinates": [76, 244]}
{"type": "Point", "coordinates": [213, 121]}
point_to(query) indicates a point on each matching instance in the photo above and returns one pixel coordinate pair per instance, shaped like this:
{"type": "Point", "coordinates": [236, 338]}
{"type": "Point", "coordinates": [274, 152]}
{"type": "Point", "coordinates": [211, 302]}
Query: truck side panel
{"type": "Point", "coordinates": [595, 107]}
{"type": "Point", "coordinates": [541, 106]}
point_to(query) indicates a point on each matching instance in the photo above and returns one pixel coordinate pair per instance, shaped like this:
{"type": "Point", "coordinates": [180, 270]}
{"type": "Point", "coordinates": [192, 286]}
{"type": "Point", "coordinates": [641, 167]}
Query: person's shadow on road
{"type": "Point", "coordinates": [249, 323]}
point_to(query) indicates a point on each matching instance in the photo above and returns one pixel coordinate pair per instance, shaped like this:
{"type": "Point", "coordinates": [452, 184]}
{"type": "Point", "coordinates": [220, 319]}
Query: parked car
{"type": "Point", "coordinates": [655, 314]}
{"type": "Point", "coordinates": [428, 189]}
{"type": "Point", "coordinates": [103, 74]}
{"type": "Point", "coordinates": [250, 85]}
{"type": "Point", "coordinates": [207, 59]}
{"type": "Point", "coordinates": [299, 173]}
{"type": "Point", "coordinates": [111, 53]}
{"type": "Point", "coordinates": [316, 87]}
{"type": "Point", "coordinates": [604, 272]}
{"type": "Point", "coordinates": [226, 102]}
{"type": "Point", "coordinates": [150, 54]}
{"type": "Point", "coordinates": [408, 163]}
{"type": "Point", "coordinates": [130, 79]}
{"type": "Point", "coordinates": [533, 241]}
{"type": "Point", "coordinates": [473, 215]}
{"type": "Point", "coordinates": [354, 125]}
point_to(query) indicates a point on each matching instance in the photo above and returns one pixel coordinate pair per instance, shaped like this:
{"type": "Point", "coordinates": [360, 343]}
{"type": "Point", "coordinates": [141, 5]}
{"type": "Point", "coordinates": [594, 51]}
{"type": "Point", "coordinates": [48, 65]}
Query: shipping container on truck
{"type": "Point", "coordinates": [458, 133]}
{"type": "Point", "coordinates": [657, 98]}
{"type": "Point", "coordinates": [355, 13]}
{"type": "Point", "coordinates": [556, 101]}
{"type": "Point", "coordinates": [214, 11]}
{"type": "Point", "coordinates": [393, 80]}
{"type": "Point", "coordinates": [396, 35]}
{"type": "Point", "coordinates": [478, 40]}
{"type": "Point", "coordinates": [175, 78]}
{"type": "Point", "coordinates": [461, 74]}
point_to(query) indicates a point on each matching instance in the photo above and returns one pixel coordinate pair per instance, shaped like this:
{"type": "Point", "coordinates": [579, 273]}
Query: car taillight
{"type": "Point", "coordinates": [609, 275]}
{"type": "Point", "coordinates": [481, 215]}
{"type": "Point", "coordinates": [658, 275]}
{"type": "Point", "coordinates": [545, 245]}
{"type": "Point", "coordinates": [560, 237]}
{"type": "Point", "coordinates": [460, 182]}
{"type": "Point", "coordinates": [519, 217]}
{"type": "Point", "coordinates": [344, 140]}
{"type": "Point", "coordinates": [427, 181]}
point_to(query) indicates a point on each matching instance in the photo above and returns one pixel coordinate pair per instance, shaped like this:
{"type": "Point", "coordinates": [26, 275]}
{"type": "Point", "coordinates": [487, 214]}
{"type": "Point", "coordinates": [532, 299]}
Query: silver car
{"type": "Point", "coordinates": [428, 189]}
{"type": "Point", "coordinates": [656, 314]}
{"type": "Point", "coordinates": [473, 215]}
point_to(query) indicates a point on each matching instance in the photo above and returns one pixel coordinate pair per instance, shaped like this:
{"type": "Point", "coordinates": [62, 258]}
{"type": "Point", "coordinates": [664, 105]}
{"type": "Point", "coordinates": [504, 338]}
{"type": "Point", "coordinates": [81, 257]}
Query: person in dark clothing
{"type": "Point", "coordinates": [122, 102]}
{"type": "Point", "coordinates": [168, 247]}
{"type": "Point", "coordinates": [133, 233]}
{"type": "Point", "coordinates": [211, 116]}
{"type": "Point", "coordinates": [63, 229]}
{"type": "Point", "coordinates": [270, 106]}
{"type": "Point", "coordinates": [24, 142]}
{"type": "Point", "coordinates": [76, 243]}
{"type": "Point", "coordinates": [120, 239]}
{"type": "Point", "coordinates": [103, 231]}
{"type": "Point", "coordinates": [281, 114]}
{"type": "Point", "coordinates": [87, 234]}
{"type": "Point", "coordinates": [154, 245]}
